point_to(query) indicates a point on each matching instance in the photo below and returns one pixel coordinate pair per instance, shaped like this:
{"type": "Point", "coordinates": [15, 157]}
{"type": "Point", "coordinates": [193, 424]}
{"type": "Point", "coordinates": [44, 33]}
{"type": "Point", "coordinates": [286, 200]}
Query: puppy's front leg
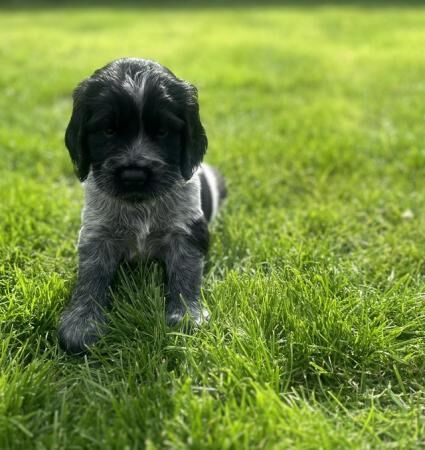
{"type": "Point", "coordinates": [81, 322]}
{"type": "Point", "coordinates": [184, 261]}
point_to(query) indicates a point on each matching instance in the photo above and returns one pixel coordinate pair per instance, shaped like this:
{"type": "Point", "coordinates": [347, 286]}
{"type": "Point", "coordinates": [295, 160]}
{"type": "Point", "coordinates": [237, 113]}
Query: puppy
{"type": "Point", "coordinates": [136, 140]}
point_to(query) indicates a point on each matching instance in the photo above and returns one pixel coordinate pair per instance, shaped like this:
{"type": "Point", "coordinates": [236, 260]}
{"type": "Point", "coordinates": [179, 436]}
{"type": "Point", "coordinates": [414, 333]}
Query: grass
{"type": "Point", "coordinates": [316, 275]}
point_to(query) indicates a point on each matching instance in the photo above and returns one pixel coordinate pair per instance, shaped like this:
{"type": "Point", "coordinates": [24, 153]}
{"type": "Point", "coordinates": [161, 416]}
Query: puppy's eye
{"type": "Point", "coordinates": [109, 132]}
{"type": "Point", "coordinates": [162, 132]}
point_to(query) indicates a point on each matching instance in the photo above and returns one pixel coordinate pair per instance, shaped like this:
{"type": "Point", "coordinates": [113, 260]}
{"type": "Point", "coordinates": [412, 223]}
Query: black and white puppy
{"type": "Point", "coordinates": [136, 140]}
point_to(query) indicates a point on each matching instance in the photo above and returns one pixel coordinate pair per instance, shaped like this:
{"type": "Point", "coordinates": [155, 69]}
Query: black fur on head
{"type": "Point", "coordinates": [137, 128]}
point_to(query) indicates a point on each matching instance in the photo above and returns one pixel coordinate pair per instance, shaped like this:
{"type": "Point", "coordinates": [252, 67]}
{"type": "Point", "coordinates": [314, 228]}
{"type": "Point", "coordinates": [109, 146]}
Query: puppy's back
{"type": "Point", "coordinates": [213, 190]}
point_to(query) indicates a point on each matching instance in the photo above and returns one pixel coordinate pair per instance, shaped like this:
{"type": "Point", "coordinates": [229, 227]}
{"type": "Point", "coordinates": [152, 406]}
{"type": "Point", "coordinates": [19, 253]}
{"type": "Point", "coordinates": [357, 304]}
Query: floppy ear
{"type": "Point", "coordinates": [75, 135]}
{"type": "Point", "coordinates": [195, 140]}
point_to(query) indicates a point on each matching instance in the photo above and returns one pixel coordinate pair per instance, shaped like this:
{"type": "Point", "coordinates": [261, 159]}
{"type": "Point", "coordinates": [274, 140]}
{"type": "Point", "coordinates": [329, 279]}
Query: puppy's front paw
{"type": "Point", "coordinates": [79, 328]}
{"type": "Point", "coordinates": [192, 316]}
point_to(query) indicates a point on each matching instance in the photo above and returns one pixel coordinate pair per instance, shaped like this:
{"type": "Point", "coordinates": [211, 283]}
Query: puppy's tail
{"type": "Point", "coordinates": [213, 190]}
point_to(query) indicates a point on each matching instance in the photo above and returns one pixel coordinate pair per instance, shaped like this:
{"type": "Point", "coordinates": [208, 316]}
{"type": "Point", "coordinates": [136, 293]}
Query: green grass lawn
{"type": "Point", "coordinates": [316, 274]}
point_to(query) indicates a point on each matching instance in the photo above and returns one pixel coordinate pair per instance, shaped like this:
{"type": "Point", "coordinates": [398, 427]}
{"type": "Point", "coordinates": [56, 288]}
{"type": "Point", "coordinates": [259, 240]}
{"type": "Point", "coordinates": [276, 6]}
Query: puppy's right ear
{"type": "Point", "coordinates": [75, 135]}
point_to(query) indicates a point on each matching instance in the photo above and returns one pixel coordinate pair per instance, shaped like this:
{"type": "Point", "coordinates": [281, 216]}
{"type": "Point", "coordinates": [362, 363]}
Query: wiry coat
{"type": "Point", "coordinates": [136, 139]}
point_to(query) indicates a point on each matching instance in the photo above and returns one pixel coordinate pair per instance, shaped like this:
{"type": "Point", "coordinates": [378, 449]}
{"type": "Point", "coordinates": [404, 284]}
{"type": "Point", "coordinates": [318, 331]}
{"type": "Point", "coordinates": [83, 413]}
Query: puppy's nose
{"type": "Point", "coordinates": [134, 175]}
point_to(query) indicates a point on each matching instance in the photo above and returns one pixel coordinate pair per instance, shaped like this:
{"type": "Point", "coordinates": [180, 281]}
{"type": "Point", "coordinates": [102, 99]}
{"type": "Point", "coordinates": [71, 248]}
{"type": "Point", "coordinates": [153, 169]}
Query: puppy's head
{"type": "Point", "coordinates": [137, 128]}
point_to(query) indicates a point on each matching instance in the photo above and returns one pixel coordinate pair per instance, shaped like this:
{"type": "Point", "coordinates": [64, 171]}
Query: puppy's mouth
{"type": "Point", "coordinates": [133, 178]}
{"type": "Point", "coordinates": [136, 182]}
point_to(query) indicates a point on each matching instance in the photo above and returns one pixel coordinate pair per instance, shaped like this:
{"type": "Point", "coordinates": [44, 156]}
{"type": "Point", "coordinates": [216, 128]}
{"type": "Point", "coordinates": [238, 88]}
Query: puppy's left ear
{"type": "Point", "coordinates": [75, 135]}
{"type": "Point", "coordinates": [195, 140]}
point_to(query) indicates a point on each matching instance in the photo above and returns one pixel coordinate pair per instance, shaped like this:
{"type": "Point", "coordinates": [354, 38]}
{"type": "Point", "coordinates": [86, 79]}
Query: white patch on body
{"type": "Point", "coordinates": [212, 184]}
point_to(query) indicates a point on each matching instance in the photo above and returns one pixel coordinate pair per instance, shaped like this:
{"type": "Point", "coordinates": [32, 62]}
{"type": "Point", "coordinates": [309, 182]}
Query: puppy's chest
{"type": "Point", "coordinates": [145, 238]}
{"type": "Point", "coordinates": [139, 240]}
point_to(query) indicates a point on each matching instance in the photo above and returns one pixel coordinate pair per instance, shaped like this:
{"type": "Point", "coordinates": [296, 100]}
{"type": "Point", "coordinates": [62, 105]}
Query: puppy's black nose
{"type": "Point", "coordinates": [133, 175]}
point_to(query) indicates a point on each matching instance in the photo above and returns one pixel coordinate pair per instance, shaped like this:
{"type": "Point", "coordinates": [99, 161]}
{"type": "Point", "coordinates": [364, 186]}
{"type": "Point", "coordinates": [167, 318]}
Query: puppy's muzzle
{"type": "Point", "coordinates": [133, 175]}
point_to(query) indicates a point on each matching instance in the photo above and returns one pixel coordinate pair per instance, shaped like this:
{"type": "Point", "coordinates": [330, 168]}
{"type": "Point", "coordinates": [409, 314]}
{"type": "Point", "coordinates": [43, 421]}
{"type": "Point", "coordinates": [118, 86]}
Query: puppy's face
{"type": "Point", "coordinates": [137, 128]}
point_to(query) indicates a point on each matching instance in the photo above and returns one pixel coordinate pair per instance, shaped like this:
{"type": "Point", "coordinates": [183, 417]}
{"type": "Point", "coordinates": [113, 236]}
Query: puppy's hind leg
{"type": "Point", "coordinates": [82, 321]}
